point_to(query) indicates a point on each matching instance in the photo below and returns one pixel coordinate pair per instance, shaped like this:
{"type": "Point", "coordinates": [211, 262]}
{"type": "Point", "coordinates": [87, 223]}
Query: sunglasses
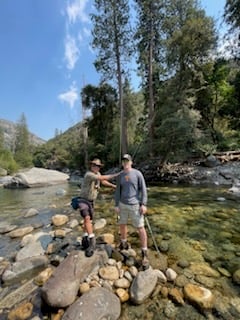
{"type": "Point", "coordinates": [96, 165]}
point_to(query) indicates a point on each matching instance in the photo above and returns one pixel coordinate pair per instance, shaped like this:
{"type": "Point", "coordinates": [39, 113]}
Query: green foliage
{"type": "Point", "coordinates": [64, 151]}
{"type": "Point", "coordinates": [111, 32]}
{"type": "Point", "coordinates": [22, 154]}
{"type": "Point", "coordinates": [7, 161]}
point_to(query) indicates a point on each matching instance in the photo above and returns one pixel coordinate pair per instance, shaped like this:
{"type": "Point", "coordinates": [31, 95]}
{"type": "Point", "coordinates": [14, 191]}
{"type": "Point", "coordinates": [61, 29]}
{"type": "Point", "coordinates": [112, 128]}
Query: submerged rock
{"type": "Point", "coordinates": [202, 297]}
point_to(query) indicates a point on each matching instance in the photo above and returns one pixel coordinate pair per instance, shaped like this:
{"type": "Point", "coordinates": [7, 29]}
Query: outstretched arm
{"type": "Point", "coordinates": [108, 184]}
{"type": "Point", "coordinates": [107, 177]}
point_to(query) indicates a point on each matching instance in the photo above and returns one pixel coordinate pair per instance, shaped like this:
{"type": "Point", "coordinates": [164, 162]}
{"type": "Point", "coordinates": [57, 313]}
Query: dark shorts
{"type": "Point", "coordinates": [85, 207]}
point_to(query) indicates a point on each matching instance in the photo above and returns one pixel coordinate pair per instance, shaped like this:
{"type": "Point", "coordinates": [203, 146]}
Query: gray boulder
{"type": "Point", "coordinates": [62, 287]}
{"type": "Point", "coordinates": [36, 177]}
{"type": "Point", "coordinates": [143, 285]}
{"type": "Point", "coordinates": [96, 304]}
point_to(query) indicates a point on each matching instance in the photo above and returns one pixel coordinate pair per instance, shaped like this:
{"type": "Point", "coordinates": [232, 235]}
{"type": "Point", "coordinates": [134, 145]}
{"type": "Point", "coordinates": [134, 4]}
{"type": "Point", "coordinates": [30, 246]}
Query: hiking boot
{"type": "Point", "coordinates": [124, 245]}
{"type": "Point", "coordinates": [92, 246]}
{"type": "Point", "coordinates": [145, 261]}
{"type": "Point", "coordinates": [85, 242]}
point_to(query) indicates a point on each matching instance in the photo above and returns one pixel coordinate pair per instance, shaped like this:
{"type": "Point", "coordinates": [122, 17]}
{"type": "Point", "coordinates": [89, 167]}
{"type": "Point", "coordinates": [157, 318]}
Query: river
{"type": "Point", "coordinates": [206, 217]}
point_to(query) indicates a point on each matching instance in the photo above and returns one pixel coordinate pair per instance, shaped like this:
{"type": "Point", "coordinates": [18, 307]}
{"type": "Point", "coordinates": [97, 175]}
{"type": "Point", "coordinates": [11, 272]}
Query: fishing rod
{"type": "Point", "coordinates": [152, 235]}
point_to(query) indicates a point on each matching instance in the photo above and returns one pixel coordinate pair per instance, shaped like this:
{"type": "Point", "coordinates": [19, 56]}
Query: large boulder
{"type": "Point", "coordinates": [96, 304]}
{"type": "Point", "coordinates": [62, 287]}
{"type": "Point", "coordinates": [36, 177]}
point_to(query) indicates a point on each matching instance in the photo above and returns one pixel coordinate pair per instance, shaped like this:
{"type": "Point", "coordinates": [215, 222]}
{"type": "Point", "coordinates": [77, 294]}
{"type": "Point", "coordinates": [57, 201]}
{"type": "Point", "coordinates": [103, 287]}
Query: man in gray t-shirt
{"type": "Point", "coordinates": [130, 203]}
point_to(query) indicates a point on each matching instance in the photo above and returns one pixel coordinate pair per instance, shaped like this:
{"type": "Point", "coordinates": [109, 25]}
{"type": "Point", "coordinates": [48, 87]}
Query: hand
{"type": "Point", "coordinates": [117, 210]}
{"type": "Point", "coordinates": [143, 209]}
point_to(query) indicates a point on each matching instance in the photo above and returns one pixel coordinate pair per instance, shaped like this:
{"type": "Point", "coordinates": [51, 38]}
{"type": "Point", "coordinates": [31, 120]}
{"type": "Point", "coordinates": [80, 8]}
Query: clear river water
{"type": "Point", "coordinates": [206, 217]}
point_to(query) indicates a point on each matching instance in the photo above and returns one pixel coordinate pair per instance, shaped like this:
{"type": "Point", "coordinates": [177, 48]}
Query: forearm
{"type": "Point", "coordinates": [108, 184]}
{"type": "Point", "coordinates": [107, 177]}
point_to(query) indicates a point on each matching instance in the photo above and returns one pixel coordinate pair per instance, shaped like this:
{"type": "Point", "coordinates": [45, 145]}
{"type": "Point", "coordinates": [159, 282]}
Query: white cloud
{"type": "Point", "coordinates": [69, 97]}
{"type": "Point", "coordinates": [71, 51]}
{"type": "Point", "coordinates": [76, 11]}
{"type": "Point", "coordinates": [76, 17]}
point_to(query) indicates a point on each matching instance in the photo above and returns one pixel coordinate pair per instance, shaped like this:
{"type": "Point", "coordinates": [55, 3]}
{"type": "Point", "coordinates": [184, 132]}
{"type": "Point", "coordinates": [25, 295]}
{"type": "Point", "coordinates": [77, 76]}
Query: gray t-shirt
{"type": "Point", "coordinates": [131, 188]}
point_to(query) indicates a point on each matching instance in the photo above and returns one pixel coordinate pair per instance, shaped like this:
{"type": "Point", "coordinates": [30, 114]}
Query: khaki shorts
{"type": "Point", "coordinates": [131, 212]}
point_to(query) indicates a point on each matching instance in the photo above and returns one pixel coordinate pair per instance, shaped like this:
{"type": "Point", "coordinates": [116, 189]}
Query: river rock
{"type": "Point", "coordinates": [109, 273]}
{"type": "Point", "coordinates": [59, 220]}
{"type": "Point", "coordinates": [100, 223]}
{"type": "Point", "coordinates": [20, 232]}
{"type": "Point", "coordinates": [122, 294]}
{"type": "Point", "coordinates": [5, 227]}
{"type": "Point", "coordinates": [24, 268]}
{"type": "Point", "coordinates": [22, 312]}
{"type": "Point", "coordinates": [171, 274]}
{"type": "Point", "coordinates": [36, 177]}
{"type": "Point", "coordinates": [34, 245]}
{"type": "Point", "coordinates": [122, 283]}
{"type": "Point", "coordinates": [204, 269]}
{"type": "Point", "coordinates": [176, 295]}
{"type": "Point", "coordinates": [143, 285]}
{"type": "Point", "coordinates": [106, 238]}
{"type": "Point", "coordinates": [18, 295]}
{"type": "Point", "coordinates": [43, 276]}
{"type": "Point", "coordinates": [62, 287]}
{"type": "Point", "coordinates": [236, 276]}
{"type": "Point", "coordinates": [96, 304]}
{"type": "Point", "coordinates": [202, 297]}
{"type": "Point", "coordinates": [31, 212]}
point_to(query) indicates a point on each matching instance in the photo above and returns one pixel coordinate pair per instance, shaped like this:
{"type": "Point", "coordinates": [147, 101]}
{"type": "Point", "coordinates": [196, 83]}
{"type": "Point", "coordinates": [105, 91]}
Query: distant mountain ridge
{"type": "Point", "coordinates": [9, 132]}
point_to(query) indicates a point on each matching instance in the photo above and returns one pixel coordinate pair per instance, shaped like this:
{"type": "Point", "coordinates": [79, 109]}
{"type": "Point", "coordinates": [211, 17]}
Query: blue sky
{"type": "Point", "coordinates": [46, 58]}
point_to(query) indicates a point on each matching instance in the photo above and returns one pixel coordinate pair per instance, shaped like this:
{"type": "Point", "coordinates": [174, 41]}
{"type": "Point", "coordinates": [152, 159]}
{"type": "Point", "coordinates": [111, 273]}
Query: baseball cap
{"type": "Point", "coordinates": [127, 157]}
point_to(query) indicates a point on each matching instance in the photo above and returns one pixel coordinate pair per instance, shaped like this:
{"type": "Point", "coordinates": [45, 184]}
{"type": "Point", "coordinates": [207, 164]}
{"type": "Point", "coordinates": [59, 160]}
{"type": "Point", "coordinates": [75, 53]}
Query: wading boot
{"type": "Point", "coordinates": [92, 246]}
{"type": "Point", "coordinates": [85, 242]}
{"type": "Point", "coordinates": [145, 261]}
{"type": "Point", "coordinates": [124, 245]}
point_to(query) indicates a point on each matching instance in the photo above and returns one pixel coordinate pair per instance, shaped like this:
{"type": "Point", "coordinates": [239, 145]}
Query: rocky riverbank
{"type": "Point", "coordinates": [56, 281]}
{"type": "Point", "coordinates": [207, 172]}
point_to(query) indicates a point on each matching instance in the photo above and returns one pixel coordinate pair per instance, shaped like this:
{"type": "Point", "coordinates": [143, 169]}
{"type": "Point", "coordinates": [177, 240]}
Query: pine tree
{"type": "Point", "coordinates": [22, 154]}
{"type": "Point", "coordinates": [111, 34]}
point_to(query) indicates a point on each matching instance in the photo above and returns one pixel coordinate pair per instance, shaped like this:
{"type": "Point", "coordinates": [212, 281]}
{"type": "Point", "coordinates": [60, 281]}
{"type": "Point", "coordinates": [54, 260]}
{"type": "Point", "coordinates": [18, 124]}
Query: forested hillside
{"type": "Point", "coordinates": [9, 131]}
{"type": "Point", "coordinates": [188, 100]}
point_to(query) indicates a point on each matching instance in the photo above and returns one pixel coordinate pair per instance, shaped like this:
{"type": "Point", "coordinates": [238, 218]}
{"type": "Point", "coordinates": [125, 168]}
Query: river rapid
{"type": "Point", "coordinates": [207, 218]}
